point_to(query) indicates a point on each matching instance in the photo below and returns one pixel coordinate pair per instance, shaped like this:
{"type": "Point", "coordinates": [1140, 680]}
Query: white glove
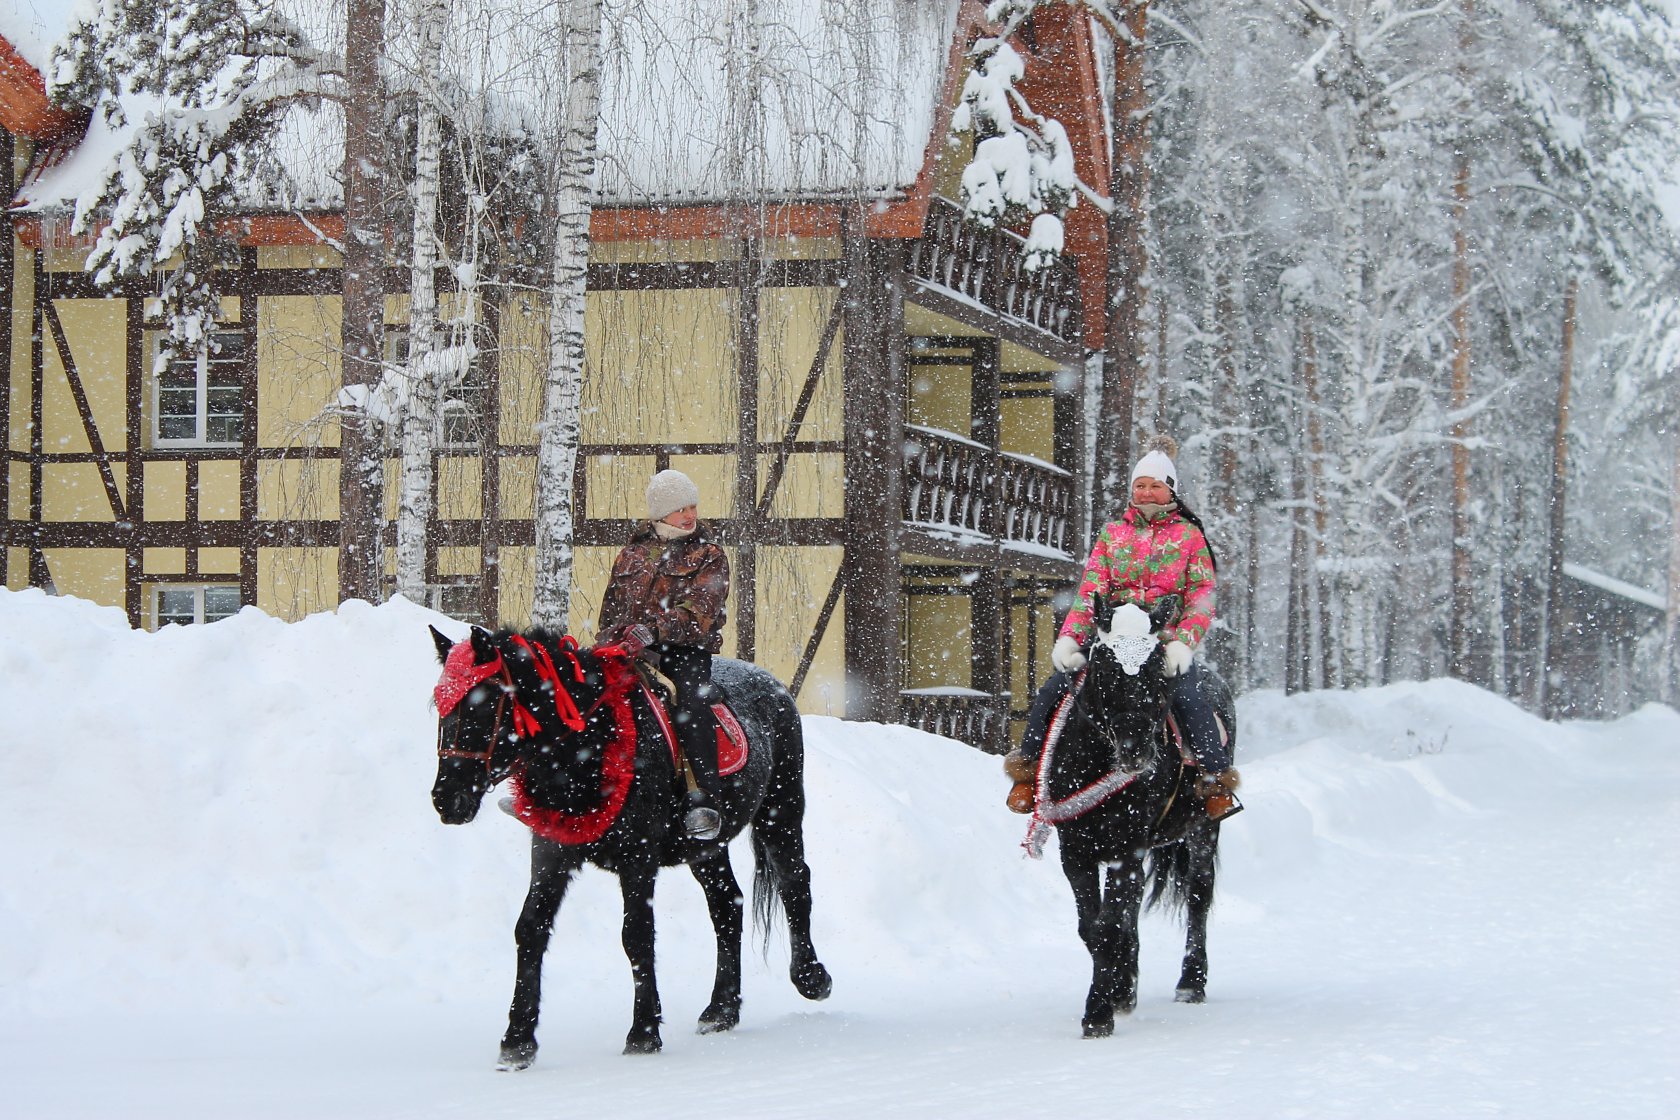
{"type": "Point", "coordinates": [1178, 658]}
{"type": "Point", "coordinates": [1067, 657]}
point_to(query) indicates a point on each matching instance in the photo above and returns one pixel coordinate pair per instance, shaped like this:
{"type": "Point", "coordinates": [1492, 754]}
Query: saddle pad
{"type": "Point", "coordinates": [731, 740]}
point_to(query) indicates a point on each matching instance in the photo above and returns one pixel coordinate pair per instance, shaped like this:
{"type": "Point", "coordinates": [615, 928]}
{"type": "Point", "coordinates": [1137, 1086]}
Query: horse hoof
{"type": "Point", "coordinates": [517, 1057]}
{"type": "Point", "coordinates": [717, 1019]}
{"type": "Point", "coordinates": [813, 981]}
{"type": "Point", "coordinates": [643, 1045]}
{"type": "Point", "coordinates": [1098, 1028]}
{"type": "Point", "coordinates": [1190, 995]}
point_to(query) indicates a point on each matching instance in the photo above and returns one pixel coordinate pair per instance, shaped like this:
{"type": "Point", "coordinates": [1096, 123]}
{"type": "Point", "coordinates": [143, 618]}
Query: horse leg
{"type": "Point", "coordinates": [1098, 1021]}
{"type": "Point", "coordinates": [636, 885]}
{"type": "Point", "coordinates": [1198, 899]}
{"type": "Point", "coordinates": [550, 875]}
{"type": "Point", "coordinates": [723, 899]}
{"type": "Point", "coordinates": [1123, 899]}
{"type": "Point", "coordinates": [779, 854]}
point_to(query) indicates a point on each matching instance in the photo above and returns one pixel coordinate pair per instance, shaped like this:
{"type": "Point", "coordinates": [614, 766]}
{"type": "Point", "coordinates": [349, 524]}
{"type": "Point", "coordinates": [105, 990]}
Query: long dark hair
{"type": "Point", "coordinates": [1190, 515]}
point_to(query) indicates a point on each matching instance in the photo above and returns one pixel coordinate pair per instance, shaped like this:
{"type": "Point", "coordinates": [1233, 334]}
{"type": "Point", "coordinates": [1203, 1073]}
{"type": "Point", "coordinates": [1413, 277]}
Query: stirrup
{"type": "Point", "coordinates": [702, 823]}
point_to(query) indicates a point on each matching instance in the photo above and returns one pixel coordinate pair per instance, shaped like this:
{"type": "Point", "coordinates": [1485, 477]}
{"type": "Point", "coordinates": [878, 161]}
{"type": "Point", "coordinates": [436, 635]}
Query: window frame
{"type": "Point", "coordinates": [198, 591]}
{"type": "Point", "coordinates": [203, 365]}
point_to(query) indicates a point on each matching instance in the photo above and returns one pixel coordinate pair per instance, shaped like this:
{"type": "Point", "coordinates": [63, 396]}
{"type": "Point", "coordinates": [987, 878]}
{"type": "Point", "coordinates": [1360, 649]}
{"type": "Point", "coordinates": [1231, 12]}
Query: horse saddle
{"type": "Point", "coordinates": [731, 737]}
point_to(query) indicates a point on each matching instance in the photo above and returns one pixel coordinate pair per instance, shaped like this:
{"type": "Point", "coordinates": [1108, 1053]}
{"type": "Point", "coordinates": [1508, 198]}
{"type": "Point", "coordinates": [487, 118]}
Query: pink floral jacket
{"type": "Point", "coordinates": [1136, 560]}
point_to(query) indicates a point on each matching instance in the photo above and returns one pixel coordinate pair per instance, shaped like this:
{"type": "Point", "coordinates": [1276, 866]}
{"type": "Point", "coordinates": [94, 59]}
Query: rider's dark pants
{"type": "Point", "coordinates": [1192, 706]}
{"type": "Point", "coordinates": [689, 669]}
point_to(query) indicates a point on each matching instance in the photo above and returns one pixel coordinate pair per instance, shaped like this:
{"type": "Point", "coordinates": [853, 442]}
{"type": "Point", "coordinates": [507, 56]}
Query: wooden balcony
{"type": "Point", "coordinates": [988, 268]}
{"type": "Point", "coordinates": [964, 488]}
{"type": "Point", "coordinates": [976, 718]}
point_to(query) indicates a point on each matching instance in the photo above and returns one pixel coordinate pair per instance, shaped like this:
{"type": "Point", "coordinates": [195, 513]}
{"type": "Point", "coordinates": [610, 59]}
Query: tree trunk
{"type": "Point", "coordinates": [578, 85]}
{"type": "Point", "coordinates": [1549, 649]}
{"type": "Point", "coordinates": [361, 466]}
{"type": "Point", "coordinates": [1671, 634]}
{"type": "Point", "coordinates": [1459, 624]}
{"type": "Point", "coordinates": [419, 422]}
{"type": "Point", "coordinates": [1319, 610]}
{"type": "Point", "coordinates": [1123, 342]}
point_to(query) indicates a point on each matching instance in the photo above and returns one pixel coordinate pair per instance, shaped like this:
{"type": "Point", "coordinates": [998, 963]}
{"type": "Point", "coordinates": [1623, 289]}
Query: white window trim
{"type": "Point", "coordinates": [198, 590]}
{"type": "Point", "coordinates": [201, 398]}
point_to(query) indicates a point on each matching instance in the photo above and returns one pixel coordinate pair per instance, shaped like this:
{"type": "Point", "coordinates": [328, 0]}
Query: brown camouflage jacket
{"type": "Point", "coordinates": [677, 589]}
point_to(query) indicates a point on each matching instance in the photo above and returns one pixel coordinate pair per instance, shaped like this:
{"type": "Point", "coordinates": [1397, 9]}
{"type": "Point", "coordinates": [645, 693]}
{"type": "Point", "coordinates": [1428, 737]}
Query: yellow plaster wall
{"type": "Point", "coordinates": [664, 251]}
{"type": "Point", "coordinates": [218, 490]}
{"type": "Point", "coordinates": [459, 487]}
{"type": "Point", "coordinates": [297, 256]}
{"type": "Point", "coordinates": [219, 561]}
{"type": "Point", "coordinates": [616, 485]}
{"type": "Point", "coordinates": [812, 485]}
{"type": "Point", "coordinates": [1027, 427]}
{"type": "Point", "coordinates": [96, 331]}
{"type": "Point", "coordinates": [76, 492]}
{"type": "Point", "coordinates": [792, 584]}
{"type": "Point", "coordinates": [516, 492]}
{"type": "Point", "coordinates": [23, 298]}
{"type": "Point", "coordinates": [939, 652]}
{"type": "Point", "coordinates": [298, 370]}
{"type": "Point", "coordinates": [293, 582]}
{"type": "Point", "coordinates": [517, 584]}
{"type": "Point", "coordinates": [459, 562]}
{"type": "Point", "coordinates": [803, 249]}
{"type": "Point", "coordinates": [660, 367]}
{"type": "Point", "coordinates": [95, 574]}
{"type": "Point", "coordinates": [940, 397]}
{"type": "Point", "coordinates": [163, 561]}
{"type": "Point", "coordinates": [19, 493]}
{"type": "Point", "coordinates": [165, 491]}
{"type": "Point", "coordinates": [297, 489]}
{"type": "Point", "coordinates": [17, 568]}
{"type": "Point", "coordinates": [790, 326]}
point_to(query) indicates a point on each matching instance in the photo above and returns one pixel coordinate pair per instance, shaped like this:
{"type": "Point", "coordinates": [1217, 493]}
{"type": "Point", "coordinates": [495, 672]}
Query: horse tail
{"type": "Point", "coordinates": [766, 892]}
{"type": "Point", "coordinates": [1169, 877]}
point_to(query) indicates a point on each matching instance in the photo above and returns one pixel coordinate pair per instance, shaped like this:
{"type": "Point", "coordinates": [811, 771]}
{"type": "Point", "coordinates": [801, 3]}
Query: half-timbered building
{"type": "Point", "coordinates": [881, 405]}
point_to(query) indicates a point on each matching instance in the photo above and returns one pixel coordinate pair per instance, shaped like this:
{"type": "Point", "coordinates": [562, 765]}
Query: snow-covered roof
{"type": "Point", "coordinates": [839, 98]}
{"type": "Point", "coordinates": [1616, 587]}
{"type": "Point", "coordinates": [34, 27]}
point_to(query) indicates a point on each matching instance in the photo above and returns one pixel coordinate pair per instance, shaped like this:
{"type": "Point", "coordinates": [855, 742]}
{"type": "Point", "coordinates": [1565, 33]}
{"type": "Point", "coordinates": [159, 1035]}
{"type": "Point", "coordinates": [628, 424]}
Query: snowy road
{"type": "Point", "coordinates": [1435, 906]}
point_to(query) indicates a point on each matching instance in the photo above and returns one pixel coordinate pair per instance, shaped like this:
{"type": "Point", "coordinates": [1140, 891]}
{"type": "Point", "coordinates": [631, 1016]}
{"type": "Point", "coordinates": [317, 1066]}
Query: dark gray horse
{"type": "Point", "coordinates": [1125, 811]}
{"type": "Point", "coordinates": [595, 779]}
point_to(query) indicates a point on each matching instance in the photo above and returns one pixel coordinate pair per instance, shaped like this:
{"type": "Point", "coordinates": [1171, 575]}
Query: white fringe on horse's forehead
{"type": "Point", "coordinates": [1129, 619]}
{"type": "Point", "coordinates": [1129, 637]}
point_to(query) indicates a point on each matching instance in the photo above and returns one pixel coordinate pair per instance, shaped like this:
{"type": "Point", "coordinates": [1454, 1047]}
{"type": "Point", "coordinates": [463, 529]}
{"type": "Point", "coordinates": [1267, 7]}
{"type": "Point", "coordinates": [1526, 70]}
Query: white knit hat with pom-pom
{"type": "Point", "coordinates": [668, 492]}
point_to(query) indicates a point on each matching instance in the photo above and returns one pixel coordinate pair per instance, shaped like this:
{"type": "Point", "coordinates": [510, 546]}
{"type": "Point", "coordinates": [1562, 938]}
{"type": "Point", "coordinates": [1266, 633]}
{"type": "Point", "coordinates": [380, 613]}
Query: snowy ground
{"type": "Point", "coordinates": [226, 893]}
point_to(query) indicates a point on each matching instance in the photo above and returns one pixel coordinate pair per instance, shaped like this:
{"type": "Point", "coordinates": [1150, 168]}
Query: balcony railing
{"type": "Point", "coordinates": [954, 483]}
{"type": "Point", "coordinates": [976, 718]}
{"type": "Point", "coordinates": [988, 266]}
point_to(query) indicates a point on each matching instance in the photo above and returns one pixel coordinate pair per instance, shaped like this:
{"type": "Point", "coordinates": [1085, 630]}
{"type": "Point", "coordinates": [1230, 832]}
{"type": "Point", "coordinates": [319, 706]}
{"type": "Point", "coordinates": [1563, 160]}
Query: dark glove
{"type": "Point", "coordinates": [635, 639]}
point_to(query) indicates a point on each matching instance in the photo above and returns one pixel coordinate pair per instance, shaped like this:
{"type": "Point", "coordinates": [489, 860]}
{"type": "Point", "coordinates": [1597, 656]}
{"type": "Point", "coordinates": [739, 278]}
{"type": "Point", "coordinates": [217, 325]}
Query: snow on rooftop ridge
{"type": "Point", "coordinates": [839, 101]}
{"type": "Point", "coordinates": [34, 27]}
{"type": "Point", "coordinates": [1616, 586]}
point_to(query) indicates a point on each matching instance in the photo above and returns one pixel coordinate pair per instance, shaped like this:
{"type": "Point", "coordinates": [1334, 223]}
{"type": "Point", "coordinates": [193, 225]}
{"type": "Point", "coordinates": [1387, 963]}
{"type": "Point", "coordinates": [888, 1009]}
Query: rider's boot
{"type": "Point", "coordinates": [701, 822]}
{"type": "Point", "coordinates": [1218, 793]}
{"type": "Point", "coordinates": [1021, 771]}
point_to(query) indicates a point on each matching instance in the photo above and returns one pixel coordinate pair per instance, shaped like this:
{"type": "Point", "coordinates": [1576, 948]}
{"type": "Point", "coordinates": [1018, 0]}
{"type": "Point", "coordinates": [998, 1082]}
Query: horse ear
{"type": "Point", "coordinates": [482, 649]}
{"type": "Point", "coordinates": [443, 644]}
{"type": "Point", "coordinates": [1165, 612]}
{"type": "Point", "coordinates": [1102, 612]}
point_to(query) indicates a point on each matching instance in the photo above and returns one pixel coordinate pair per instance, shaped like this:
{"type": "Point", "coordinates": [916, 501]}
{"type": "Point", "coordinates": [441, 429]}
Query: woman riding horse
{"type": "Point", "coordinates": [666, 604]}
{"type": "Point", "coordinates": [1155, 549]}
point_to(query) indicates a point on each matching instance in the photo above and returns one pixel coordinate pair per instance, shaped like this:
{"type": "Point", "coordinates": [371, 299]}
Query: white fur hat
{"type": "Point", "coordinates": [1157, 464]}
{"type": "Point", "coordinates": [668, 492]}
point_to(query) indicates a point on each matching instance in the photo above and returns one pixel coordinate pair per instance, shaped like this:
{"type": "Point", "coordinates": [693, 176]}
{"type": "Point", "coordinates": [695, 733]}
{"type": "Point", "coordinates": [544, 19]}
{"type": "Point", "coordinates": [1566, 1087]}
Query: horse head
{"type": "Point", "coordinates": [1126, 692]}
{"type": "Point", "coordinates": [505, 700]}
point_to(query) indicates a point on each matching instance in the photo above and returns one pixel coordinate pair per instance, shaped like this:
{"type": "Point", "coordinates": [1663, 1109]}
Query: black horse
{"type": "Point", "coordinates": [1116, 790]}
{"type": "Point", "coordinates": [591, 764]}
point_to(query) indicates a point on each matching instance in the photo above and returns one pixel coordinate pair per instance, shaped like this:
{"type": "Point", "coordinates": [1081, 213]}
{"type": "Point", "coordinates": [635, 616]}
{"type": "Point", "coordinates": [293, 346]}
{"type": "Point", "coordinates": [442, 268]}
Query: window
{"type": "Point", "coordinates": [185, 604]}
{"type": "Point", "coordinates": [200, 397]}
{"type": "Point", "coordinates": [457, 597]}
{"type": "Point", "coordinates": [461, 411]}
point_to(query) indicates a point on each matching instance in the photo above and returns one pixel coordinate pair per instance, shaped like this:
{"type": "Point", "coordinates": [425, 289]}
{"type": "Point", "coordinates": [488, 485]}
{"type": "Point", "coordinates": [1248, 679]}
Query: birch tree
{"type": "Point", "coordinates": [575, 119]}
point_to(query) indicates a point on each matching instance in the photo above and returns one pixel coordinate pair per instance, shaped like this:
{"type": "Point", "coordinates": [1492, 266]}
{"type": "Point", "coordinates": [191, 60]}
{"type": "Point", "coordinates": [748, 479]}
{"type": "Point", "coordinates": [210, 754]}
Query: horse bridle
{"type": "Point", "coordinates": [504, 701]}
